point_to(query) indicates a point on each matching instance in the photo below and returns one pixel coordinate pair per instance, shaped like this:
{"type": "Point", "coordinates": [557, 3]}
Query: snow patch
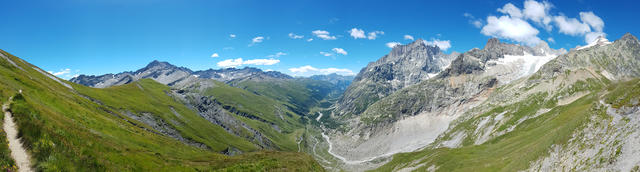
{"type": "Point", "coordinates": [601, 41]}
{"type": "Point", "coordinates": [527, 63]}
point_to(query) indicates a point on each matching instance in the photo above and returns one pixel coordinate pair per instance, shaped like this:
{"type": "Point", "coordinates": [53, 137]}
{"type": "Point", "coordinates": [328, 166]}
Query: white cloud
{"type": "Point", "coordinates": [310, 70]}
{"type": "Point", "coordinates": [294, 36]}
{"type": "Point", "coordinates": [592, 36]}
{"type": "Point", "coordinates": [373, 35]}
{"type": "Point", "coordinates": [408, 37]}
{"type": "Point", "coordinates": [571, 26]}
{"type": "Point", "coordinates": [61, 72]}
{"type": "Point", "coordinates": [551, 40]}
{"type": "Point", "coordinates": [232, 35]}
{"type": "Point", "coordinates": [326, 54]}
{"type": "Point", "coordinates": [392, 44]}
{"type": "Point", "coordinates": [278, 54]}
{"type": "Point", "coordinates": [515, 26]}
{"type": "Point", "coordinates": [511, 10]}
{"type": "Point", "coordinates": [310, 39]}
{"type": "Point", "coordinates": [538, 12]}
{"type": "Point", "coordinates": [256, 40]}
{"type": "Point", "coordinates": [230, 63]}
{"type": "Point", "coordinates": [477, 23]}
{"type": "Point", "coordinates": [239, 62]}
{"type": "Point", "coordinates": [442, 44]}
{"type": "Point", "coordinates": [339, 51]}
{"type": "Point", "coordinates": [472, 20]}
{"type": "Point", "coordinates": [592, 20]}
{"type": "Point", "coordinates": [322, 34]}
{"type": "Point", "coordinates": [261, 62]}
{"type": "Point", "coordinates": [214, 55]}
{"type": "Point", "coordinates": [357, 33]}
{"type": "Point", "coordinates": [510, 28]}
{"type": "Point", "coordinates": [65, 73]}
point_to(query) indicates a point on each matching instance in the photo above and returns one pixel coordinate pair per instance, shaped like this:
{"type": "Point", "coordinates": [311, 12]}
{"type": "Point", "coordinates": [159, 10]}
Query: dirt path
{"type": "Point", "coordinates": [18, 153]}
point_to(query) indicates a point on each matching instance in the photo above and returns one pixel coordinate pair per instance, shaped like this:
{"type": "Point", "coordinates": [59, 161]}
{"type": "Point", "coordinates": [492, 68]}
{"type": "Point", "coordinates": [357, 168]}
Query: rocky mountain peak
{"type": "Point", "coordinates": [629, 40]}
{"type": "Point", "coordinates": [405, 65]}
{"type": "Point", "coordinates": [417, 45]}
{"type": "Point", "coordinates": [492, 43]}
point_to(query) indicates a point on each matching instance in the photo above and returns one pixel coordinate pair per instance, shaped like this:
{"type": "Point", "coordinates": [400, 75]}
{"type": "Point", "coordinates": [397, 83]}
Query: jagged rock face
{"type": "Point", "coordinates": [169, 74]}
{"type": "Point", "coordinates": [233, 74]}
{"type": "Point", "coordinates": [476, 60]}
{"type": "Point", "coordinates": [405, 65]}
{"type": "Point", "coordinates": [618, 60]}
{"type": "Point", "coordinates": [405, 120]}
{"type": "Point", "coordinates": [161, 72]}
{"type": "Point", "coordinates": [577, 79]}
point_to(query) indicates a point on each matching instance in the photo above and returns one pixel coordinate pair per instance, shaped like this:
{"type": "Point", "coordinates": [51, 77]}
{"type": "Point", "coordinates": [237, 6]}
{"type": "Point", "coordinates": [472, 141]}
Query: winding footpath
{"type": "Point", "coordinates": [18, 153]}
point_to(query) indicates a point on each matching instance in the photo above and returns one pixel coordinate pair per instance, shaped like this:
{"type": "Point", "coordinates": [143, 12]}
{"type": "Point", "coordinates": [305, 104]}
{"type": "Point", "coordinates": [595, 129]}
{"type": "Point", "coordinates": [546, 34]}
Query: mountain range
{"type": "Point", "coordinates": [505, 107]}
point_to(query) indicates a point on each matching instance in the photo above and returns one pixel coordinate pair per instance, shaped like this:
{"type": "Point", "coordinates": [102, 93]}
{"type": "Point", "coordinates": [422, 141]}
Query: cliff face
{"type": "Point", "coordinates": [405, 65]}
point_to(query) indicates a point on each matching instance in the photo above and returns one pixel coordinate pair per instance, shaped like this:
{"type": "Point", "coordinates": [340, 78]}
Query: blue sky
{"type": "Point", "coordinates": [69, 37]}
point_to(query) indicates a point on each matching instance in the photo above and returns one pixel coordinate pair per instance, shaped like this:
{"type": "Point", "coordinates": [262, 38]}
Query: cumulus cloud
{"type": "Point", "coordinates": [392, 44]}
{"type": "Point", "coordinates": [65, 73]}
{"type": "Point", "coordinates": [592, 36]}
{"type": "Point", "coordinates": [239, 62]}
{"type": "Point", "coordinates": [325, 54]}
{"type": "Point", "coordinates": [515, 29]}
{"type": "Point", "coordinates": [310, 39]}
{"type": "Point", "coordinates": [261, 62]}
{"type": "Point", "coordinates": [357, 33]}
{"type": "Point", "coordinates": [339, 51]}
{"type": "Point", "coordinates": [373, 35]}
{"type": "Point", "coordinates": [592, 20]}
{"type": "Point", "coordinates": [256, 40]}
{"type": "Point", "coordinates": [310, 70]}
{"type": "Point", "coordinates": [408, 37]}
{"type": "Point", "coordinates": [294, 36]}
{"type": "Point", "coordinates": [61, 72]}
{"type": "Point", "coordinates": [511, 10]}
{"type": "Point", "coordinates": [232, 35]}
{"type": "Point", "coordinates": [442, 44]}
{"type": "Point", "coordinates": [278, 54]}
{"type": "Point", "coordinates": [214, 55]}
{"type": "Point", "coordinates": [514, 24]}
{"type": "Point", "coordinates": [323, 34]}
{"type": "Point", "coordinates": [571, 26]}
{"type": "Point", "coordinates": [538, 12]}
{"type": "Point", "coordinates": [230, 63]}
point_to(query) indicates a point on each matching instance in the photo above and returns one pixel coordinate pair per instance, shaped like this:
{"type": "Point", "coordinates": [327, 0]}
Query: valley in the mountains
{"type": "Point", "coordinates": [503, 107]}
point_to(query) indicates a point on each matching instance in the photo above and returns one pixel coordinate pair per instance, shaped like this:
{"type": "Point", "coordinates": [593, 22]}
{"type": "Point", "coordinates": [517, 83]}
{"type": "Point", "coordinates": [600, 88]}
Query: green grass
{"type": "Point", "coordinates": [626, 94]}
{"type": "Point", "coordinates": [300, 94]}
{"type": "Point", "coordinates": [63, 131]}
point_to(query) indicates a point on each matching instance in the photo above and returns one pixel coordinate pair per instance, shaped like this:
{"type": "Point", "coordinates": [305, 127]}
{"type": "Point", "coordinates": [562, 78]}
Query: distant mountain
{"type": "Point", "coordinates": [145, 125]}
{"type": "Point", "coordinates": [412, 116]}
{"type": "Point", "coordinates": [405, 65]}
{"type": "Point", "coordinates": [340, 81]}
{"type": "Point", "coordinates": [579, 111]}
{"type": "Point", "coordinates": [169, 74]}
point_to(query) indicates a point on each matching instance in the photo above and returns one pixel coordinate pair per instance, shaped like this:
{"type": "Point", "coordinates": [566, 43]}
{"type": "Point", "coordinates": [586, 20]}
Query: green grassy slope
{"type": "Point", "coordinates": [270, 117]}
{"type": "Point", "coordinates": [300, 94]}
{"type": "Point", "coordinates": [63, 130]}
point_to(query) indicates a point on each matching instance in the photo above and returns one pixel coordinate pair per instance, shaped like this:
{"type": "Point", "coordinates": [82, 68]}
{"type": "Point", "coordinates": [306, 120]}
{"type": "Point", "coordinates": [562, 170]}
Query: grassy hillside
{"type": "Point", "coordinates": [272, 118]}
{"type": "Point", "coordinates": [300, 94]}
{"type": "Point", "coordinates": [86, 129]}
